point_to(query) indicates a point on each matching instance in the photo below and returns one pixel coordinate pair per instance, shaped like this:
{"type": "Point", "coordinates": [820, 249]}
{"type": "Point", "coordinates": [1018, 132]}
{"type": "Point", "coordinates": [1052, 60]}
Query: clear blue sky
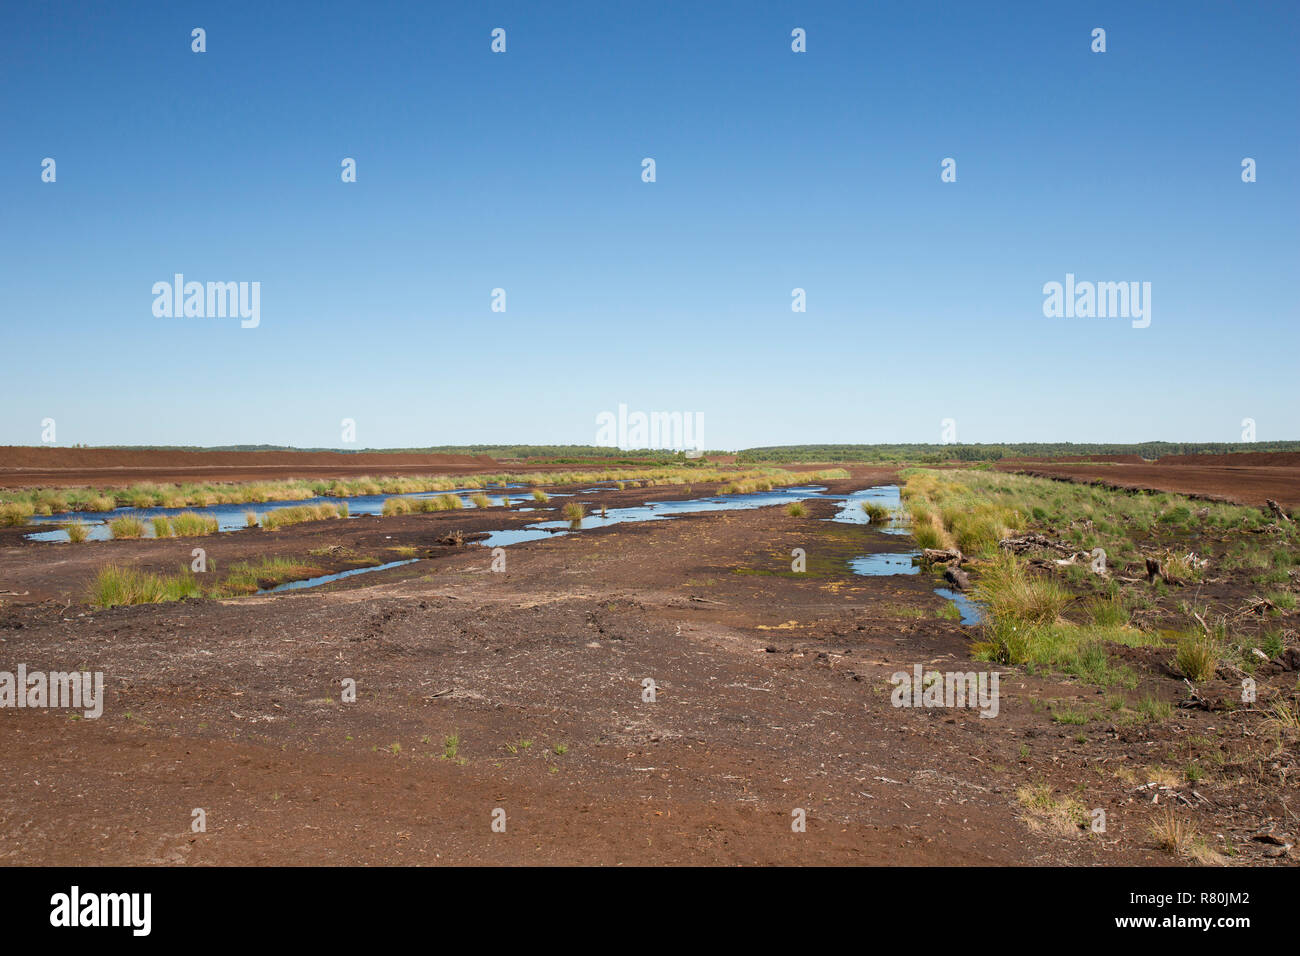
{"type": "Point", "coordinates": [522, 171]}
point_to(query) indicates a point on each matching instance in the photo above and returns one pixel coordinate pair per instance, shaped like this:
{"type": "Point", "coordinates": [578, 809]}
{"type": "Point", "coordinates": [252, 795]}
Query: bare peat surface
{"type": "Point", "coordinates": [1242, 478]}
{"type": "Point", "coordinates": [524, 691]}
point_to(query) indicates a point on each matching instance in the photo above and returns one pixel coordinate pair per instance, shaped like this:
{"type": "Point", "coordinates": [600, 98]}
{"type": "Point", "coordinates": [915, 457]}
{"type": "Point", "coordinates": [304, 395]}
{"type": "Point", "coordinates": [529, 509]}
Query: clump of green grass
{"type": "Point", "coordinates": [1108, 612]}
{"type": "Point", "coordinates": [1015, 596]}
{"type": "Point", "coordinates": [116, 585]}
{"type": "Point", "coordinates": [14, 514]}
{"type": "Point", "coordinates": [101, 503]}
{"type": "Point", "coordinates": [78, 531]}
{"type": "Point", "coordinates": [877, 512]}
{"type": "Point", "coordinates": [189, 523]}
{"type": "Point", "coordinates": [162, 528]}
{"type": "Point", "coordinates": [573, 511]}
{"type": "Point", "coordinates": [250, 519]}
{"type": "Point", "coordinates": [796, 509]}
{"type": "Point", "coordinates": [450, 747]}
{"type": "Point", "coordinates": [247, 577]}
{"type": "Point", "coordinates": [1152, 708]}
{"type": "Point", "coordinates": [297, 514]}
{"type": "Point", "coordinates": [126, 527]}
{"type": "Point", "coordinates": [481, 500]}
{"type": "Point", "coordinates": [397, 506]}
{"type": "Point", "coordinates": [1284, 600]}
{"type": "Point", "coordinates": [1197, 657]}
{"type": "Point", "coordinates": [540, 496]}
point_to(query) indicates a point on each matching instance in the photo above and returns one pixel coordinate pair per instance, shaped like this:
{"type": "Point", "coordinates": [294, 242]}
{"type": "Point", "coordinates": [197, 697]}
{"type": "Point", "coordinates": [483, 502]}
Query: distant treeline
{"type": "Point", "coordinates": [567, 454]}
{"type": "Point", "coordinates": [937, 453]}
{"type": "Point", "coordinates": [558, 453]}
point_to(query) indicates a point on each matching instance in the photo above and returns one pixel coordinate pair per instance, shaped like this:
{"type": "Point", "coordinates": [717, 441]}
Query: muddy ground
{"type": "Point", "coordinates": [1245, 478]}
{"type": "Point", "coordinates": [522, 691]}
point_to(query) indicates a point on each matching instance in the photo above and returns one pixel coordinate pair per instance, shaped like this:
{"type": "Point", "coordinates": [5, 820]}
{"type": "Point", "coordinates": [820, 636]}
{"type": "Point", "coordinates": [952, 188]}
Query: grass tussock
{"type": "Point", "coordinates": [190, 523]}
{"type": "Point", "coordinates": [796, 509]}
{"type": "Point", "coordinates": [126, 527]}
{"type": "Point", "coordinates": [14, 514]}
{"type": "Point", "coordinates": [247, 577]}
{"type": "Point", "coordinates": [876, 512]}
{"type": "Point", "coordinates": [1197, 657]}
{"type": "Point", "coordinates": [573, 511]}
{"type": "Point", "coordinates": [481, 500]}
{"type": "Point", "coordinates": [115, 585]}
{"type": "Point", "coordinates": [78, 531]}
{"type": "Point", "coordinates": [298, 514]}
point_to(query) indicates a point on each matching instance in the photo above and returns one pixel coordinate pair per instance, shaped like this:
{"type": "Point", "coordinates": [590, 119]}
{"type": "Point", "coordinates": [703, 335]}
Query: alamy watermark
{"type": "Point", "coordinates": [78, 690]}
{"type": "Point", "coordinates": [215, 300]}
{"type": "Point", "coordinates": [1098, 300]}
{"type": "Point", "coordinates": [675, 431]}
{"type": "Point", "coordinates": [971, 689]}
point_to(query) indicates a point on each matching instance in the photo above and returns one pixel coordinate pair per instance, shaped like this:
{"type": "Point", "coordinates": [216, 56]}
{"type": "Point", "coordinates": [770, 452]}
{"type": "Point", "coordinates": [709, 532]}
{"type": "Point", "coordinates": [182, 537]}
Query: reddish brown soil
{"type": "Point", "coordinates": [22, 466]}
{"type": "Point", "coordinates": [39, 466]}
{"type": "Point", "coordinates": [1216, 477]}
{"type": "Point", "coordinates": [773, 695]}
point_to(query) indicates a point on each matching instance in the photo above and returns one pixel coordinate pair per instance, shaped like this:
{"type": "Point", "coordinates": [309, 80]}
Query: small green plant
{"type": "Point", "coordinates": [481, 500]}
{"type": "Point", "coordinates": [78, 531]}
{"type": "Point", "coordinates": [451, 747]}
{"type": "Point", "coordinates": [573, 511]}
{"type": "Point", "coordinates": [1197, 657]}
{"type": "Point", "coordinates": [878, 513]}
{"type": "Point", "coordinates": [540, 496]}
{"type": "Point", "coordinates": [796, 509]}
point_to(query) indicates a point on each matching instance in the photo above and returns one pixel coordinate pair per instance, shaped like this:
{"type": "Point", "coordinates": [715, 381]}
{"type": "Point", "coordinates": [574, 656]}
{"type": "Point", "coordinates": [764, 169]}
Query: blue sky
{"type": "Point", "coordinates": [522, 171]}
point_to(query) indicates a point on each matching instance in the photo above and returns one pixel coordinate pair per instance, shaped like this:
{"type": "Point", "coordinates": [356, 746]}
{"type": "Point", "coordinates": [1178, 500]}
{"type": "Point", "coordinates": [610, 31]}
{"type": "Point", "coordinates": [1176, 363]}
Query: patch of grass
{"type": "Point", "coordinates": [1179, 838]}
{"type": "Point", "coordinates": [78, 531]}
{"type": "Point", "coordinates": [1014, 596]}
{"type": "Point", "coordinates": [190, 523]}
{"type": "Point", "coordinates": [1154, 709]}
{"type": "Point", "coordinates": [796, 509]}
{"type": "Point", "coordinates": [247, 577]}
{"type": "Point", "coordinates": [126, 527]}
{"type": "Point", "coordinates": [297, 514]}
{"type": "Point", "coordinates": [115, 585]}
{"type": "Point", "coordinates": [1108, 612]}
{"type": "Point", "coordinates": [1067, 815]}
{"type": "Point", "coordinates": [14, 514]}
{"type": "Point", "coordinates": [877, 512]}
{"type": "Point", "coordinates": [1066, 715]}
{"type": "Point", "coordinates": [451, 747]}
{"type": "Point", "coordinates": [481, 500]}
{"type": "Point", "coordinates": [573, 511]}
{"type": "Point", "coordinates": [1283, 599]}
{"type": "Point", "coordinates": [540, 496]}
{"type": "Point", "coordinates": [1197, 657]}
